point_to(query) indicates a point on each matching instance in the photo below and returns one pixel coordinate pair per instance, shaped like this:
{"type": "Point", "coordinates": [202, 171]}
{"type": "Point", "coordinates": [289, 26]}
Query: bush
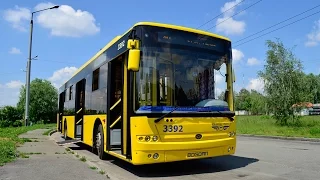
{"type": "Point", "coordinates": [9, 116]}
{"type": "Point", "coordinates": [17, 123]}
{"type": "Point", "coordinates": [4, 123]}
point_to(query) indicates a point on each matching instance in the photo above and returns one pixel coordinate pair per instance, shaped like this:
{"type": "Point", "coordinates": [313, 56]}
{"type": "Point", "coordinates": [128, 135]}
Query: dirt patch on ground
{"type": "Point", "coordinates": [5, 139]}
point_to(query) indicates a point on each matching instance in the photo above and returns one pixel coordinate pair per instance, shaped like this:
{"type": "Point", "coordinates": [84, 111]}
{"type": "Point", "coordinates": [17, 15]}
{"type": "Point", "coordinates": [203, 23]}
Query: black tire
{"type": "Point", "coordinates": [99, 142]}
{"type": "Point", "coordinates": [65, 131]}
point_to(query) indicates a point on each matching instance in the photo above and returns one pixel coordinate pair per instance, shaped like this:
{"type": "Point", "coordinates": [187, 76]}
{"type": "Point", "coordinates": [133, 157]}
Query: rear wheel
{"type": "Point", "coordinates": [65, 131]}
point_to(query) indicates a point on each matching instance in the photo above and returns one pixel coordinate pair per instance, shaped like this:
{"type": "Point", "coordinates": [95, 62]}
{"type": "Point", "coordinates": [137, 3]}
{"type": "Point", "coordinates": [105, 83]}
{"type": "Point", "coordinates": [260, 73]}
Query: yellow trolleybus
{"type": "Point", "coordinates": [149, 97]}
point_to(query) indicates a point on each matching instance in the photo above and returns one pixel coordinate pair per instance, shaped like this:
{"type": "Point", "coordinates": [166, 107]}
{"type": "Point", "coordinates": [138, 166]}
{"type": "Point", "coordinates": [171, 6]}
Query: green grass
{"type": "Point", "coordinates": [31, 153]}
{"type": "Point", "coordinates": [265, 125]}
{"type": "Point", "coordinates": [94, 168]}
{"type": "Point", "coordinates": [102, 172]}
{"type": "Point", "coordinates": [47, 132]}
{"type": "Point", "coordinates": [83, 159]}
{"type": "Point", "coordinates": [9, 140]}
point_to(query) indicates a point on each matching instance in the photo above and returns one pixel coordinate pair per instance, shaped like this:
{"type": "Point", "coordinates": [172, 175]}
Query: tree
{"type": "Point", "coordinates": [283, 78]}
{"type": "Point", "coordinates": [242, 101]}
{"type": "Point", "coordinates": [43, 101]}
{"type": "Point", "coordinates": [312, 88]}
{"type": "Point", "coordinates": [257, 103]}
{"type": "Point", "coordinates": [221, 96]}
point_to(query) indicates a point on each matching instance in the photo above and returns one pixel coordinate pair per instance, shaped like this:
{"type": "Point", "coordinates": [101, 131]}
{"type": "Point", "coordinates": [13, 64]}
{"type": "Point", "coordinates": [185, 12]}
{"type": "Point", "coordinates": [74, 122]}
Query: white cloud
{"type": "Point", "coordinates": [218, 92]}
{"type": "Point", "coordinates": [9, 93]}
{"type": "Point", "coordinates": [227, 24]}
{"type": "Point", "coordinates": [14, 84]}
{"type": "Point", "coordinates": [220, 84]}
{"type": "Point", "coordinates": [314, 35]}
{"type": "Point", "coordinates": [237, 55]}
{"type": "Point", "coordinates": [15, 50]}
{"type": "Point", "coordinates": [230, 26]}
{"type": "Point", "coordinates": [18, 17]}
{"type": "Point", "coordinates": [311, 43]}
{"type": "Point", "coordinates": [219, 78]}
{"type": "Point", "coordinates": [60, 76]}
{"type": "Point", "coordinates": [66, 21]}
{"type": "Point", "coordinates": [228, 8]}
{"type": "Point", "coordinates": [256, 84]}
{"type": "Point", "coordinates": [253, 61]}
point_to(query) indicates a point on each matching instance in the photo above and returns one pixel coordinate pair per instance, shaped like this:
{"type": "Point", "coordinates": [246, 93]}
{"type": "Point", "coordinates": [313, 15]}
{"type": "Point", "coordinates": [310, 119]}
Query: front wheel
{"type": "Point", "coordinates": [99, 142]}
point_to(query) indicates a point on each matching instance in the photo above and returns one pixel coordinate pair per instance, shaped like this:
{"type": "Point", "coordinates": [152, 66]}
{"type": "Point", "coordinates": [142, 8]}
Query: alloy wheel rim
{"type": "Point", "coordinates": [98, 141]}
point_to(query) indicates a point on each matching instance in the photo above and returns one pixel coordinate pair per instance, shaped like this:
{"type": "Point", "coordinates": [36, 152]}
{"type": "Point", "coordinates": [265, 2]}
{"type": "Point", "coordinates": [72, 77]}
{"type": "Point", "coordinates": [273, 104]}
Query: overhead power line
{"type": "Point", "coordinates": [235, 14]}
{"type": "Point", "coordinates": [279, 28]}
{"type": "Point", "coordinates": [220, 14]}
{"type": "Point", "coordinates": [277, 23]}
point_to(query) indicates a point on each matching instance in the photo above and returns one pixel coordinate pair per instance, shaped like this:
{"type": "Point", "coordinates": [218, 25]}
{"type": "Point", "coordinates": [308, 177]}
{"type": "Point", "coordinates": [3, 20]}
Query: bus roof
{"type": "Point", "coordinates": [182, 28]}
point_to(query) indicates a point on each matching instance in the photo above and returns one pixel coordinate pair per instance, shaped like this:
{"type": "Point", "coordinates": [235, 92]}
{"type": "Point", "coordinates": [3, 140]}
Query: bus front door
{"type": "Point", "coordinates": [115, 106]}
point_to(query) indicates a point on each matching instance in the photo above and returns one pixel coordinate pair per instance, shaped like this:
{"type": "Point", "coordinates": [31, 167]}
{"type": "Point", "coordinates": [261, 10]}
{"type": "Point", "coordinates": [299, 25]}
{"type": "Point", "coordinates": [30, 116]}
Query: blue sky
{"type": "Point", "coordinates": [65, 38]}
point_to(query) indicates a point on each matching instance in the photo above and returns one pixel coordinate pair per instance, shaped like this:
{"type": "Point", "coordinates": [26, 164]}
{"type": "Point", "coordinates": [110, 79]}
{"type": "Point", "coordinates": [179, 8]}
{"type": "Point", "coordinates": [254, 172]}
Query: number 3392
{"type": "Point", "coordinates": [172, 128]}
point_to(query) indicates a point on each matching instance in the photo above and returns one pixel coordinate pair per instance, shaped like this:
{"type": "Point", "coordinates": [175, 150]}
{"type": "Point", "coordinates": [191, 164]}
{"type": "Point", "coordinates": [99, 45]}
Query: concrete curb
{"type": "Point", "coordinates": [282, 137]}
{"type": "Point", "coordinates": [51, 132]}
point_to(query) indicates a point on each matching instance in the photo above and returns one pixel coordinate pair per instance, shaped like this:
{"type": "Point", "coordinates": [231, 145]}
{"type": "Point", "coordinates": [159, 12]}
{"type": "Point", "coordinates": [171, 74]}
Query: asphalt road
{"type": "Point", "coordinates": [256, 158]}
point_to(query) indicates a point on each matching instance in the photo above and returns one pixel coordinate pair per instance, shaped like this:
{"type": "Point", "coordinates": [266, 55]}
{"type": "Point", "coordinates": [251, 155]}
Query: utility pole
{"type": "Point", "coordinates": [243, 81]}
{"type": "Point", "coordinates": [29, 66]}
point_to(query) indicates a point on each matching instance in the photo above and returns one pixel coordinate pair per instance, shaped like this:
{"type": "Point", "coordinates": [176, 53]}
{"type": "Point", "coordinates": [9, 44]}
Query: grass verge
{"type": "Point", "coordinates": [47, 132]}
{"type": "Point", "coordinates": [9, 140]}
{"type": "Point", "coordinates": [265, 125]}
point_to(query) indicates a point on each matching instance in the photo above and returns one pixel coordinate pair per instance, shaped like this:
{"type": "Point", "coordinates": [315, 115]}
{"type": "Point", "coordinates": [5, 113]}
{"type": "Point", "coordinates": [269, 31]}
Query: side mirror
{"type": "Point", "coordinates": [134, 59]}
{"type": "Point", "coordinates": [134, 55]}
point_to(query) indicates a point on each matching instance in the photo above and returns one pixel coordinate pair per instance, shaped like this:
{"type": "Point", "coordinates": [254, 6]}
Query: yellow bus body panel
{"type": "Point", "coordinates": [88, 126]}
{"type": "Point", "coordinates": [178, 146]}
{"type": "Point", "coordinates": [70, 125]}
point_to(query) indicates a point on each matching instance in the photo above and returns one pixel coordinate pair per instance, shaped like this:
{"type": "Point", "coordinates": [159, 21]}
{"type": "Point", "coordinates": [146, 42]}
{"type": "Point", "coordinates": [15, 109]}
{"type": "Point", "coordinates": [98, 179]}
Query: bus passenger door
{"type": "Point", "coordinates": [61, 109]}
{"type": "Point", "coordinates": [79, 108]}
{"type": "Point", "coordinates": [115, 106]}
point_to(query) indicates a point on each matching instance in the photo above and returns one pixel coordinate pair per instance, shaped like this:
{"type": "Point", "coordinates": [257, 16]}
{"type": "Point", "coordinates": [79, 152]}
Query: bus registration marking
{"type": "Point", "coordinates": [197, 154]}
{"type": "Point", "coordinates": [172, 128]}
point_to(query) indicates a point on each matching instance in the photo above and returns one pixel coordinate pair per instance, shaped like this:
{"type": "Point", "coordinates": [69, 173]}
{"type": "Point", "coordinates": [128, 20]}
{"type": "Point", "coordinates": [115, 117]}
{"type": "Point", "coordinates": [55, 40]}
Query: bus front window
{"type": "Point", "coordinates": [172, 75]}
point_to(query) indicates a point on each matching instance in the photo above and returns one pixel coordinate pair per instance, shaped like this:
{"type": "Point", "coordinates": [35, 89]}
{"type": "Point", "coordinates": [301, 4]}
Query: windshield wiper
{"type": "Point", "coordinates": [230, 117]}
{"type": "Point", "coordinates": [163, 116]}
